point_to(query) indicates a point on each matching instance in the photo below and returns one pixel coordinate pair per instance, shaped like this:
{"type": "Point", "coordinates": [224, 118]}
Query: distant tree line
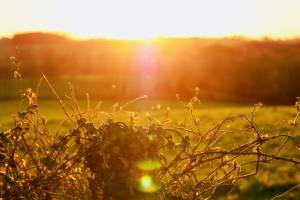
{"type": "Point", "coordinates": [225, 69]}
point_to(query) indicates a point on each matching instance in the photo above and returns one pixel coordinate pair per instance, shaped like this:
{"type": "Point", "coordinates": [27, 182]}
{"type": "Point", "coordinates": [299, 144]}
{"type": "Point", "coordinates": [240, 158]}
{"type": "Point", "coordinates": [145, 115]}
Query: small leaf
{"type": "Point", "coordinates": [55, 146]}
{"type": "Point", "coordinates": [17, 75]}
{"type": "Point", "coordinates": [81, 121]}
{"type": "Point", "coordinates": [298, 106]}
{"type": "Point", "coordinates": [162, 157]}
{"type": "Point", "coordinates": [212, 178]}
{"type": "Point", "coordinates": [49, 162]}
{"type": "Point", "coordinates": [75, 132]}
{"type": "Point", "coordinates": [185, 141]}
{"type": "Point", "coordinates": [22, 114]}
{"type": "Point", "coordinates": [78, 141]}
{"type": "Point", "coordinates": [216, 149]}
{"type": "Point", "coordinates": [177, 159]}
{"type": "Point", "coordinates": [292, 122]}
{"type": "Point", "coordinates": [180, 146]}
{"type": "Point", "coordinates": [193, 159]}
{"type": "Point", "coordinates": [170, 145]}
{"type": "Point", "coordinates": [32, 107]}
{"type": "Point", "coordinates": [13, 59]}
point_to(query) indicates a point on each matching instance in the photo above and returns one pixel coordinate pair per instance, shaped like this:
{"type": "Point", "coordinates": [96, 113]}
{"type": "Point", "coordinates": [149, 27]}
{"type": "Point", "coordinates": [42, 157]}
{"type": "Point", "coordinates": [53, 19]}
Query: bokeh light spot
{"type": "Point", "coordinates": [148, 165]}
{"type": "Point", "coordinates": [146, 181]}
{"type": "Point", "coordinates": [147, 184]}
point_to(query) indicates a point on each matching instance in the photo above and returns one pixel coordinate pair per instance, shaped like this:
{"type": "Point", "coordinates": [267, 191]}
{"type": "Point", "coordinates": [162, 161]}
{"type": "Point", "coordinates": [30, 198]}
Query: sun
{"type": "Point", "coordinates": [148, 19]}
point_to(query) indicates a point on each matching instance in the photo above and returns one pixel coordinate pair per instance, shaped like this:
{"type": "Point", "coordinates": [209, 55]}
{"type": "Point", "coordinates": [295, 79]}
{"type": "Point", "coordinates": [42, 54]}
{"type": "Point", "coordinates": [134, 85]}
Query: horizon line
{"type": "Point", "coordinates": [229, 36]}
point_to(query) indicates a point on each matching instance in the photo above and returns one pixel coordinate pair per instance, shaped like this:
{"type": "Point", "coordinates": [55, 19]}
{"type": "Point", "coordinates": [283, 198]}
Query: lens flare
{"type": "Point", "coordinates": [147, 185]}
{"type": "Point", "coordinates": [146, 181]}
{"type": "Point", "coordinates": [148, 165]}
{"type": "Point", "coordinates": [146, 56]}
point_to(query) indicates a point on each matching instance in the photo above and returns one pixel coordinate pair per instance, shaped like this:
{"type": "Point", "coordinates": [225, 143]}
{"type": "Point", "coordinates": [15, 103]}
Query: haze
{"type": "Point", "coordinates": [142, 19]}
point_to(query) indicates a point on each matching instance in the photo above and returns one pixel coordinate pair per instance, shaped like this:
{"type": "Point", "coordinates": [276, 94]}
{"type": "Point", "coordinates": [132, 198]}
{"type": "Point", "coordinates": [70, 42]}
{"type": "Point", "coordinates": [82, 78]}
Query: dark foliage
{"type": "Point", "coordinates": [226, 69]}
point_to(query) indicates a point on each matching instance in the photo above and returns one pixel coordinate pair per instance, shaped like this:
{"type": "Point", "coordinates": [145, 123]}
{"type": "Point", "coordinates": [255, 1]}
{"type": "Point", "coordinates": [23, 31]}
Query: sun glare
{"type": "Point", "coordinates": [148, 19]}
{"type": "Point", "coordinates": [145, 19]}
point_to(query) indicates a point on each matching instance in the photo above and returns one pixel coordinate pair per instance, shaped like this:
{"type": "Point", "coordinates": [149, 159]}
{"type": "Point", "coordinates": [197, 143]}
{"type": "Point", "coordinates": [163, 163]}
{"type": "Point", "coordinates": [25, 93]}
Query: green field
{"type": "Point", "coordinates": [272, 179]}
{"type": "Point", "coordinates": [269, 118]}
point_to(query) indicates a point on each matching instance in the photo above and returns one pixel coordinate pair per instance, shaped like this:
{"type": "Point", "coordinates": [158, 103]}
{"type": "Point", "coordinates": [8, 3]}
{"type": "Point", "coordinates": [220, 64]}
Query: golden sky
{"type": "Point", "coordinates": [141, 19]}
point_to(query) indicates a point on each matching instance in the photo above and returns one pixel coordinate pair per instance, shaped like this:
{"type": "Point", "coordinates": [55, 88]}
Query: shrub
{"type": "Point", "coordinates": [109, 159]}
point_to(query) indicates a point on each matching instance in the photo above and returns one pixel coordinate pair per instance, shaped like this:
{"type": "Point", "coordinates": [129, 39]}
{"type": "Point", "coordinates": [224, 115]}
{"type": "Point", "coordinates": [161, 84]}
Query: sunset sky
{"type": "Point", "coordinates": [142, 19]}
